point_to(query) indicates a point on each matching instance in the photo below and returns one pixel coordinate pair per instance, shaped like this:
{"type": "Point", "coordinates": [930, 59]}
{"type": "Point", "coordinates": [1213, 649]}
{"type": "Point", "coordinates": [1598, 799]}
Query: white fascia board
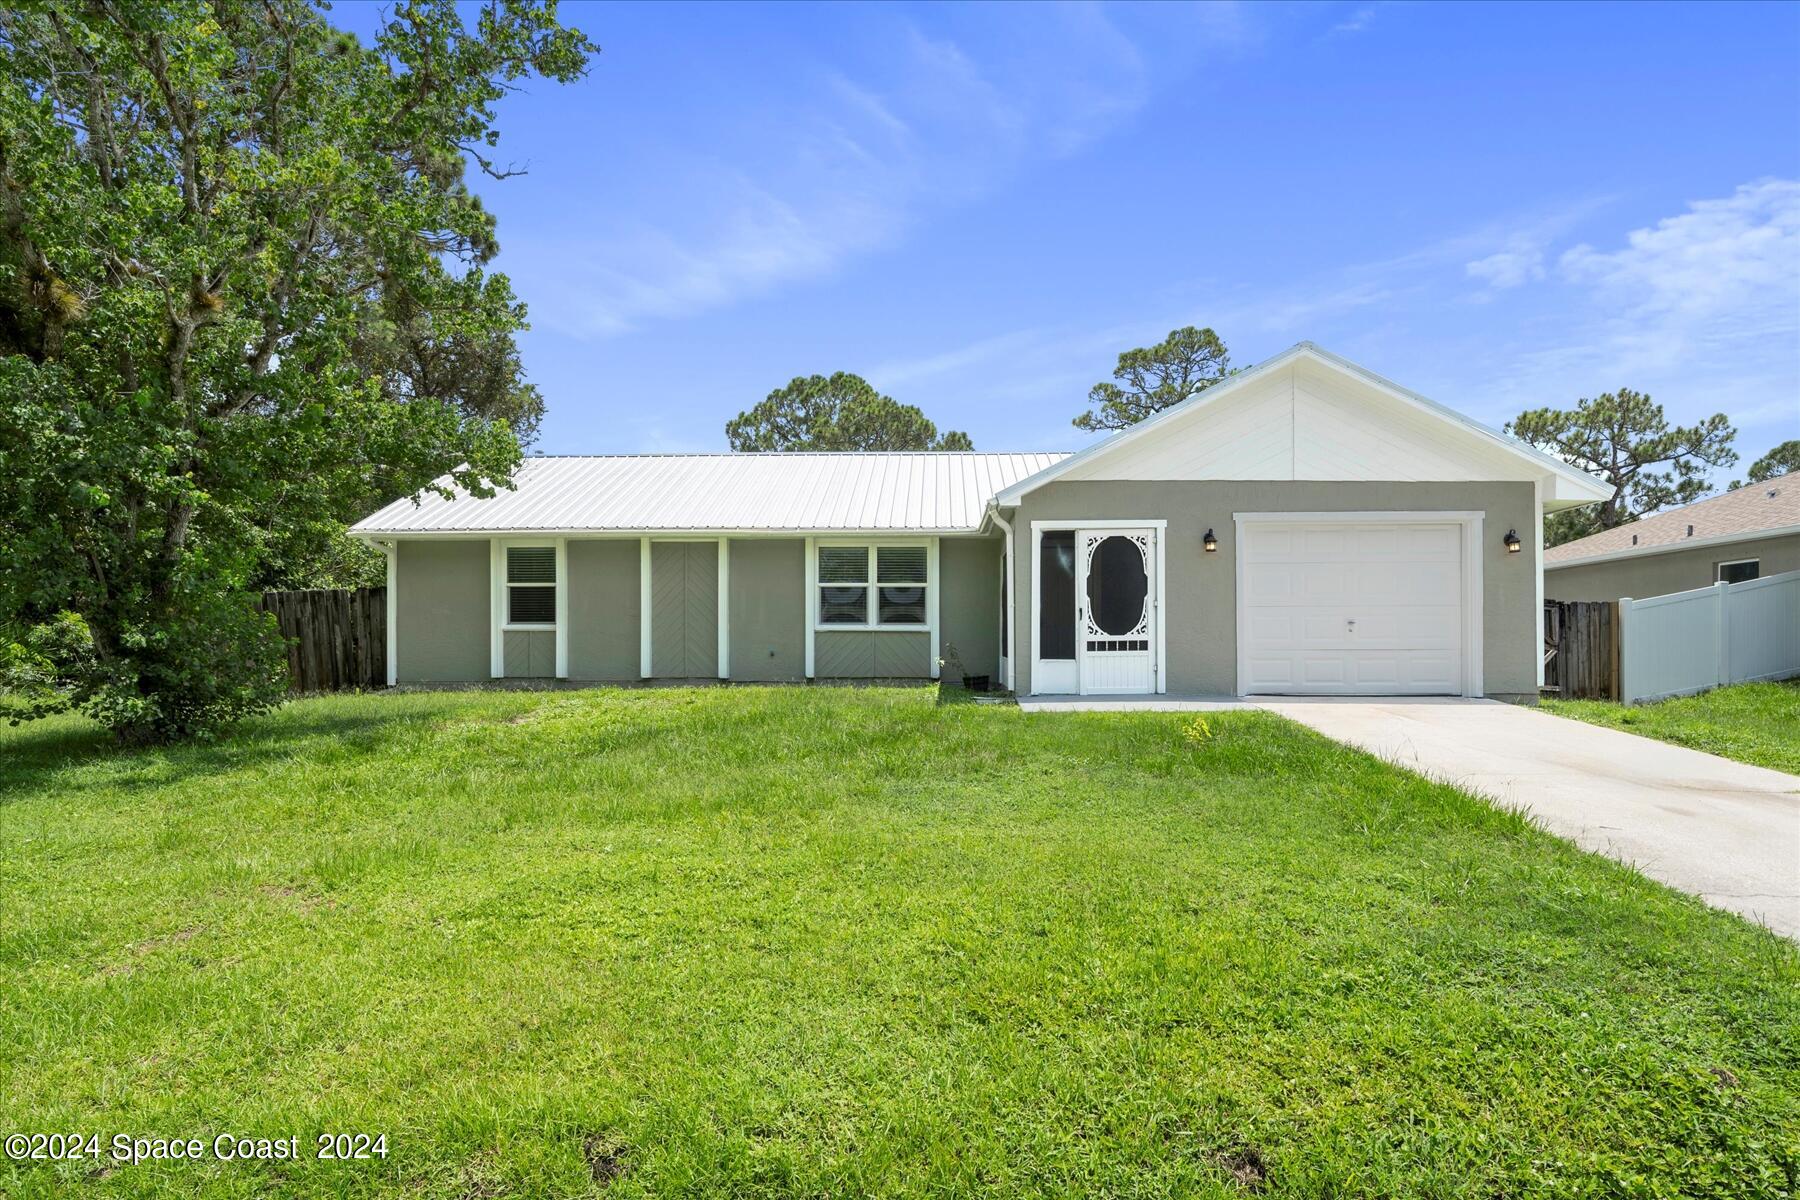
{"type": "Point", "coordinates": [1582, 488]}
{"type": "Point", "coordinates": [698, 535]}
{"type": "Point", "coordinates": [1699, 543]}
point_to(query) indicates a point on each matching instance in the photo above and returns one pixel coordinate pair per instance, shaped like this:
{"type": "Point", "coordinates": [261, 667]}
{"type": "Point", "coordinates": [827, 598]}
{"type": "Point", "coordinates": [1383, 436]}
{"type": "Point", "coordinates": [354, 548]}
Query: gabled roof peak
{"type": "Point", "coordinates": [1570, 485]}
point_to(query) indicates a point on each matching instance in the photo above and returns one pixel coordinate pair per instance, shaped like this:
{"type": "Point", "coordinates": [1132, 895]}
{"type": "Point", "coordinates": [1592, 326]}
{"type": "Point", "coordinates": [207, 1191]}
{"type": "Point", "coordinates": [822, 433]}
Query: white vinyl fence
{"type": "Point", "coordinates": [1728, 633]}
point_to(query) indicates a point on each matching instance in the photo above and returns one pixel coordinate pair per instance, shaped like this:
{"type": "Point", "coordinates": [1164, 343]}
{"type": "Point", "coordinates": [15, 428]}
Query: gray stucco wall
{"type": "Point", "coordinates": [969, 605]}
{"type": "Point", "coordinates": [441, 614]}
{"type": "Point", "coordinates": [861, 654]}
{"type": "Point", "coordinates": [603, 609]}
{"type": "Point", "coordinates": [768, 609]}
{"type": "Point", "coordinates": [1659, 574]}
{"type": "Point", "coordinates": [1200, 591]}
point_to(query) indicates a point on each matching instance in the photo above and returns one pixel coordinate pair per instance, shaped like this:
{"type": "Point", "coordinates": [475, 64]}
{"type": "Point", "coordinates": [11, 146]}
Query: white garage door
{"type": "Point", "coordinates": [1356, 610]}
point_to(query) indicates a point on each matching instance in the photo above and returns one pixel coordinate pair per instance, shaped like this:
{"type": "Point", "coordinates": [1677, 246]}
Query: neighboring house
{"type": "Point", "coordinates": [1305, 526]}
{"type": "Point", "coordinates": [1740, 535]}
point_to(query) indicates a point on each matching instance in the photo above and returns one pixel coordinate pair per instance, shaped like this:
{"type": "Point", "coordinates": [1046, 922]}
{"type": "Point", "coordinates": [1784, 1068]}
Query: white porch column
{"type": "Point", "coordinates": [392, 550]}
{"type": "Point", "coordinates": [497, 610]}
{"type": "Point", "coordinates": [811, 600]}
{"type": "Point", "coordinates": [644, 608]}
{"type": "Point", "coordinates": [724, 608]}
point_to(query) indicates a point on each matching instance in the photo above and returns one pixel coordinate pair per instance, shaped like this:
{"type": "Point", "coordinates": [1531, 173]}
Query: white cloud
{"type": "Point", "coordinates": [844, 168]}
{"type": "Point", "coordinates": [1356, 22]}
{"type": "Point", "coordinates": [1509, 268]}
{"type": "Point", "coordinates": [1700, 309]}
{"type": "Point", "coordinates": [1725, 268]}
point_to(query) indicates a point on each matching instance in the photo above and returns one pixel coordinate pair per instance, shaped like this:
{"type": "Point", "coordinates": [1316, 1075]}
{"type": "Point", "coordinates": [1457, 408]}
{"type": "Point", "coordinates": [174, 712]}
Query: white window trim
{"type": "Point", "coordinates": [499, 607]}
{"type": "Point", "coordinates": [933, 583]}
{"type": "Point", "coordinates": [1158, 669]}
{"type": "Point", "coordinates": [929, 545]}
{"type": "Point", "coordinates": [1719, 568]}
{"type": "Point", "coordinates": [1474, 619]}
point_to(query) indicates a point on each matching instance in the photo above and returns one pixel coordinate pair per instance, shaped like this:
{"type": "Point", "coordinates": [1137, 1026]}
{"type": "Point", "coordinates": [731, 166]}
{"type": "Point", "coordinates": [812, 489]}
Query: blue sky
{"type": "Point", "coordinates": [977, 208]}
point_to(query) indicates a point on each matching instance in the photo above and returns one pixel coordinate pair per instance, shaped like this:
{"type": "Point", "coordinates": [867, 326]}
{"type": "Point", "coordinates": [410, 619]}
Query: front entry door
{"type": "Point", "coordinates": [1115, 610]}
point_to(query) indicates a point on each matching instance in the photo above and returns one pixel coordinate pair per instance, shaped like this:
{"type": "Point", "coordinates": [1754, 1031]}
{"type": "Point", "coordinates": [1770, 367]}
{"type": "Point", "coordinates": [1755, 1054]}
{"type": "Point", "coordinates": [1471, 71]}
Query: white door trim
{"type": "Point", "coordinates": [1160, 527]}
{"type": "Point", "coordinates": [1472, 616]}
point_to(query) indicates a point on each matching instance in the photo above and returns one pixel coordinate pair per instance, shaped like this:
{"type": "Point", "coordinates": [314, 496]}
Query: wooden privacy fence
{"type": "Point", "coordinates": [1581, 649]}
{"type": "Point", "coordinates": [337, 638]}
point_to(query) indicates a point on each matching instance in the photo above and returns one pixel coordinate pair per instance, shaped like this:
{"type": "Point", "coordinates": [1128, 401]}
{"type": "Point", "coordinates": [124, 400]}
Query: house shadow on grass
{"type": "Point", "coordinates": [33, 755]}
{"type": "Point", "coordinates": [951, 695]}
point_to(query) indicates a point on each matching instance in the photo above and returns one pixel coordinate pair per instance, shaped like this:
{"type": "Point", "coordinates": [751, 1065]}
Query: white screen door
{"type": "Point", "coordinates": [1115, 610]}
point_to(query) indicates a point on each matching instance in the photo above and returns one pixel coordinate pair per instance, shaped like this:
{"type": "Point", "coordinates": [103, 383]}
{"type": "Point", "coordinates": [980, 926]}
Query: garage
{"type": "Point", "coordinates": [1365, 604]}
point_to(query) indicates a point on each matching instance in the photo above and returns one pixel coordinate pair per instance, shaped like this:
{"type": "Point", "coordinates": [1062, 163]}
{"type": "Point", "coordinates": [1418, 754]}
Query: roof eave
{"type": "Point", "coordinates": [1699, 543]}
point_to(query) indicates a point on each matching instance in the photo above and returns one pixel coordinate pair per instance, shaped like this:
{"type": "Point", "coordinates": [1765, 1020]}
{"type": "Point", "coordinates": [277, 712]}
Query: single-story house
{"type": "Point", "coordinates": [1749, 533]}
{"type": "Point", "coordinates": [1303, 527]}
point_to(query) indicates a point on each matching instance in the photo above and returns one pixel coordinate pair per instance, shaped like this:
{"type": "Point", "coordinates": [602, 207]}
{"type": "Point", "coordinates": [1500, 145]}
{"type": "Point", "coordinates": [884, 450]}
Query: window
{"type": "Point", "coordinates": [531, 585]}
{"type": "Point", "coordinates": [1056, 594]}
{"type": "Point", "coordinates": [895, 574]}
{"type": "Point", "coordinates": [1741, 571]}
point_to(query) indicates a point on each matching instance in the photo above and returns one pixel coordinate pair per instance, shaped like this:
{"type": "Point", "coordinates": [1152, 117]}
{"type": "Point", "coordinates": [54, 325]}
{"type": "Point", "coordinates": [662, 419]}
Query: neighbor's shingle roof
{"type": "Point", "coordinates": [1753, 508]}
{"type": "Point", "coordinates": [798, 492]}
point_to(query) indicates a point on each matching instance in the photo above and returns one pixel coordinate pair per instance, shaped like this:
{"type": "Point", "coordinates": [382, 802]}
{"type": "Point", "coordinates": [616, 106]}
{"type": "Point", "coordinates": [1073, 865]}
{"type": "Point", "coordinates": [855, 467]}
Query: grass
{"type": "Point", "coordinates": [1757, 723]}
{"type": "Point", "coordinates": [809, 942]}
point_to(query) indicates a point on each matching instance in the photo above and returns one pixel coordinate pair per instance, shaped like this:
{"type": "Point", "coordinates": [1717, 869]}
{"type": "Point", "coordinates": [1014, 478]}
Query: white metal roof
{"type": "Point", "coordinates": [802, 492]}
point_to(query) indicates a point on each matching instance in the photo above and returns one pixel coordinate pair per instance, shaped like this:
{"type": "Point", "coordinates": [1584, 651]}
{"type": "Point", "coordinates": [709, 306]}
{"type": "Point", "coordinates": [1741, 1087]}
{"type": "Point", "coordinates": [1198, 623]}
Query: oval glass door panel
{"type": "Point", "coordinates": [1117, 586]}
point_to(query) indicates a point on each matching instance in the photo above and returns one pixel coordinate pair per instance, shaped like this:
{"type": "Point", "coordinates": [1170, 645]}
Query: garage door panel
{"type": "Point", "coordinates": [1272, 627]}
{"type": "Point", "coordinates": [1323, 628]}
{"type": "Point", "coordinates": [1407, 583]}
{"type": "Point", "coordinates": [1354, 673]}
{"type": "Point", "coordinates": [1271, 583]}
{"type": "Point", "coordinates": [1348, 609]}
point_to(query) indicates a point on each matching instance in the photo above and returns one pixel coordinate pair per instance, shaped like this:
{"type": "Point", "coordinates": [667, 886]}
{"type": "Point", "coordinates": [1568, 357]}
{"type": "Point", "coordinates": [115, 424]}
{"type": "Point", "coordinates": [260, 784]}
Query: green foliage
{"type": "Point", "coordinates": [242, 296]}
{"type": "Point", "coordinates": [1622, 437]}
{"type": "Point", "coordinates": [1757, 723]}
{"type": "Point", "coordinates": [796, 942]}
{"type": "Point", "coordinates": [1184, 364]}
{"type": "Point", "coordinates": [1782, 459]}
{"type": "Point", "coordinates": [842, 412]}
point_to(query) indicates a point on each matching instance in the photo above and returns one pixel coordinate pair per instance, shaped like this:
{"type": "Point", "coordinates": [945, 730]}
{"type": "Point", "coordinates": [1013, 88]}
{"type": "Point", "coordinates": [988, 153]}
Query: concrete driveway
{"type": "Point", "coordinates": [1727, 832]}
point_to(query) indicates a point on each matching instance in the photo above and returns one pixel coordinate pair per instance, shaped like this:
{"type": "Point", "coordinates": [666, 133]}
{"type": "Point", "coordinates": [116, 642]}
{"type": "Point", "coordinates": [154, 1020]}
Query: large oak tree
{"type": "Point", "coordinates": [243, 290]}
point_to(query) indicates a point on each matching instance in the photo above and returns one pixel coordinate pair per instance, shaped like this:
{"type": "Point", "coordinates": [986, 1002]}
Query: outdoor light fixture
{"type": "Point", "coordinates": [1209, 543]}
{"type": "Point", "coordinates": [1512, 541]}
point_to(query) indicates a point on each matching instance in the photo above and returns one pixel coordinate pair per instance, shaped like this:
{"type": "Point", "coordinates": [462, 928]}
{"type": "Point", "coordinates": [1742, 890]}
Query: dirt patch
{"type": "Point", "coordinates": [1245, 1165]}
{"type": "Point", "coordinates": [305, 901]}
{"type": "Point", "coordinates": [1723, 1079]}
{"type": "Point", "coordinates": [480, 1178]}
{"type": "Point", "coordinates": [149, 945]}
{"type": "Point", "coordinates": [606, 1159]}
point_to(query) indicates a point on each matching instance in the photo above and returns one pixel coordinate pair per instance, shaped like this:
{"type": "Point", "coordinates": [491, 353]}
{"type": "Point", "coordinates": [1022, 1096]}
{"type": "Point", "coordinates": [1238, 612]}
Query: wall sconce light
{"type": "Point", "coordinates": [1512, 541]}
{"type": "Point", "coordinates": [1209, 543]}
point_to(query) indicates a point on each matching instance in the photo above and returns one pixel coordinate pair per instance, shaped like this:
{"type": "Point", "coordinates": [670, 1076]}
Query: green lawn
{"type": "Point", "coordinates": [765, 942]}
{"type": "Point", "coordinates": [1752, 722]}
